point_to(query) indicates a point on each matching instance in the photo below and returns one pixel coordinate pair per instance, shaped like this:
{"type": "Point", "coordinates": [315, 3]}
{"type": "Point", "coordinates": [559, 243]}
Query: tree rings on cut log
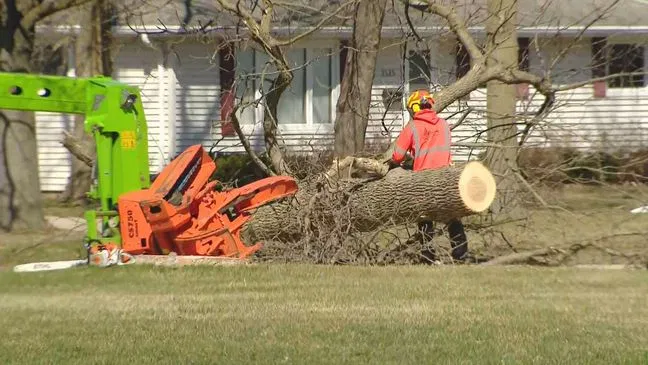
{"type": "Point", "coordinates": [477, 187]}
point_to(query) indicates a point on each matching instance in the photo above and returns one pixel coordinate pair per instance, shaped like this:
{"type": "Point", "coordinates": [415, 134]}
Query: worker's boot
{"type": "Point", "coordinates": [458, 240]}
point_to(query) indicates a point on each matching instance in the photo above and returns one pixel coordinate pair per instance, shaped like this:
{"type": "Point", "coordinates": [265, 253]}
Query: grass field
{"type": "Point", "coordinates": [324, 315]}
{"type": "Point", "coordinates": [299, 314]}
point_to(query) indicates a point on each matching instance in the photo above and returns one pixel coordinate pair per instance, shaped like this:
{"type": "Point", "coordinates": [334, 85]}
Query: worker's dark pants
{"type": "Point", "coordinates": [456, 233]}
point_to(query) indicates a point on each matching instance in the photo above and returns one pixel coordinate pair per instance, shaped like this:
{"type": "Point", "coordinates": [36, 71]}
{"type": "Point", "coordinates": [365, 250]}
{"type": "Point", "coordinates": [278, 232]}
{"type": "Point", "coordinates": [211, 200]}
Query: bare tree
{"type": "Point", "coordinates": [20, 196]}
{"type": "Point", "coordinates": [502, 97]}
{"type": "Point", "coordinates": [355, 90]}
{"type": "Point", "coordinates": [261, 32]}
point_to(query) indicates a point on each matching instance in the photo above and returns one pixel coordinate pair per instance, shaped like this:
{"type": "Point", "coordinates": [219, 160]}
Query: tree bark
{"type": "Point", "coordinates": [21, 205]}
{"type": "Point", "coordinates": [92, 57]}
{"type": "Point", "coordinates": [20, 193]}
{"type": "Point", "coordinates": [501, 100]}
{"type": "Point", "coordinates": [355, 90]}
{"type": "Point", "coordinates": [399, 197]}
{"type": "Point", "coordinates": [21, 201]}
{"type": "Point", "coordinates": [270, 122]}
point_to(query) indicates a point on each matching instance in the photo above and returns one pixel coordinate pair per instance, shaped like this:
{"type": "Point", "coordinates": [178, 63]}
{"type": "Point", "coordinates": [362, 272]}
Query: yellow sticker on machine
{"type": "Point", "coordinates": [128, 140]}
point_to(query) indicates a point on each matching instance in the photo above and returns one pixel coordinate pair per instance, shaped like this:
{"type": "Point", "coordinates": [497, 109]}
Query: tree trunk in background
{"type": "Point", "coordinates": [21, 201]}
{"type": "Point", "coordinates": [21, 204]}
{"type": "Point", "coordinates": [92, 58]}
{"type": "Point", "coordinates": [501, 102]}
{"type": "Point", "coordinates": [360, 66]}
{"type": "Point", "coordinates": [270, 122]}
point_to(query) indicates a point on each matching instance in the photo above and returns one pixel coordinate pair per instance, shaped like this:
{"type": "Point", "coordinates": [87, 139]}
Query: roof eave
{"type": "Point", "coordinates": [346, 32]}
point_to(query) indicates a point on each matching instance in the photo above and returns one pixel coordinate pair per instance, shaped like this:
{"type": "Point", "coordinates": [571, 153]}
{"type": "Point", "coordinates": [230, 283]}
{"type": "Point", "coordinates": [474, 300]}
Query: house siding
{"type": "Point", "coordinates": [193, 106]}
{"type": "Point", "coordinates": [54, 161]}
{"type": "Point", "coordinates": [578, 119]}
{"type": "Point", "coordinates": [197, 104]}
{"type": "Point", "coordinates": [136, 64]}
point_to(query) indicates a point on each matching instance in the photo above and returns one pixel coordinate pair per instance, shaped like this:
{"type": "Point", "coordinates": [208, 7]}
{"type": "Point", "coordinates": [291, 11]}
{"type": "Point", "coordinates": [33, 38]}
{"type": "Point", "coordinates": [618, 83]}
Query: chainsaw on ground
{"type": "Point", "coordinates": [179, 211]}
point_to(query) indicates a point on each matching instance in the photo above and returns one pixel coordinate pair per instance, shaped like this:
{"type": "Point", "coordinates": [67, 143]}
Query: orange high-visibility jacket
{"type": "Point", "coordinates": [427, 138]}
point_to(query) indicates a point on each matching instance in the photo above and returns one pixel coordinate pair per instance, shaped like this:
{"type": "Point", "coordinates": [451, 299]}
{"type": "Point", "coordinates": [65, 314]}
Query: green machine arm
{"type": "Point", "coordinates": [114, 116]}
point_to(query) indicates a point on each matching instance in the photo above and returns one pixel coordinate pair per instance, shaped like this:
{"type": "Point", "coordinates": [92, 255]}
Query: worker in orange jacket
{"type": "Point", "coordinates": [427, 138]}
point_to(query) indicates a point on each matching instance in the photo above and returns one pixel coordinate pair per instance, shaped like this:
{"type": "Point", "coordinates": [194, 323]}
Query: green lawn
{"type": "Point", "coordinates": [309, 315]}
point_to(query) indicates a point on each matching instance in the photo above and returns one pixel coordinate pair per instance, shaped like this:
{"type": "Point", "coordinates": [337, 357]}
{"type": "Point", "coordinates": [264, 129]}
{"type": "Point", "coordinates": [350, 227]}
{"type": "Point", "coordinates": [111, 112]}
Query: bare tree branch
{"type": "Point", "coordinates": [456, 25]}
{"type": "Point", "coordinates": [246, 143]}
{"type": "Point", "coordinates": [579, 36]}
{"type": "Point", "coordinates": [318, 26]}
{"type": "Point", "coordinates": [47, 8]}
{"type": "Point", "coordinates": [462, 119]}
{"type": "Point", "coordinates": [77, 148]}
{"type": "Point", "coordinates": [266, 18]}
{"type": "Point", "coordinates": [576, 85]}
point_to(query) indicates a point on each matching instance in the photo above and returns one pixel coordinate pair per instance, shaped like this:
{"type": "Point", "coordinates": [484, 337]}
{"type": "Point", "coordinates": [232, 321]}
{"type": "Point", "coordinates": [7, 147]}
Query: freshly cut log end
{"type": "Point", "coordinates": [477, 187]}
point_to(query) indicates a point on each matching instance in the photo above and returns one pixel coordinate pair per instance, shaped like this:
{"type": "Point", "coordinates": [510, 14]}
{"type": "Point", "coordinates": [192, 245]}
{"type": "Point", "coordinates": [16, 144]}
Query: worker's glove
{"type": "Point", "coordinates": [392, 165]}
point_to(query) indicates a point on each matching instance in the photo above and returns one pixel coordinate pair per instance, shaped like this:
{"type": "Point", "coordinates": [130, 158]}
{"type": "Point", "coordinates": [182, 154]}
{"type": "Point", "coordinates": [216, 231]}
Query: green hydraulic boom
{"type": "Point", "coordinates": [114, 116]}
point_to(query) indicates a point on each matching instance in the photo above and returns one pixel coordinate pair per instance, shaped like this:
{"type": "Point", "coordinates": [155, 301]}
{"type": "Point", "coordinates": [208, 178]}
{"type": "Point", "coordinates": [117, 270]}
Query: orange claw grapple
{"type": "Point", "coordinates": [182, 213]}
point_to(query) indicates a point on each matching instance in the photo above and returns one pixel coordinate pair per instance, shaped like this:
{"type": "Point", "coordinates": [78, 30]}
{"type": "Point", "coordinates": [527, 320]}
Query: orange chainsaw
{"type": "Point", "coordinates": [181, 211]}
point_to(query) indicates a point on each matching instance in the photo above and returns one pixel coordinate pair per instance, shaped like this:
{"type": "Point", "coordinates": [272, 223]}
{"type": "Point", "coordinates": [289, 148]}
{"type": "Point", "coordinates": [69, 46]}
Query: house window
{"type": "Point", "coordinates": [599, 62]}
{"type": "Point", "coordinates": [462, 61]}
{"type": "Point", "coordinates": [523, 54]}
{"type": "Point", "coordinates": [626, 59]}
{"type": "Point", "coordinates": [419, 70]}
{"type": "Point", "coordinates": [523, 64]}
{"type": "Point", "coordinates": [291, 108]}
{"type": "Point", "coordinates": [246, 84]}
{"type": "Point", "coordinates": [609, 59]}
{"type": "Point", "coordinates": [321, 71]}
{"type": "Point", "coordinates": [307, 101]}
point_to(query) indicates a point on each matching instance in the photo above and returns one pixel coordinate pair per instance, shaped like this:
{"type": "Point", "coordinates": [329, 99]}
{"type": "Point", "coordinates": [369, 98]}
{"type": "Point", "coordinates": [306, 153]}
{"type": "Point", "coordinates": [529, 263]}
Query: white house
{"type": "Point", "coordinates": [183, 78]}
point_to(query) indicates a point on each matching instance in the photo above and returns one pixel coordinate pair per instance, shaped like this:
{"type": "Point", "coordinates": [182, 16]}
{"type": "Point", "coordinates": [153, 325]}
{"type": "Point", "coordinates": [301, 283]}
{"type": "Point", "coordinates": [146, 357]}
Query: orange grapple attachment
{"type": "Point", "coordinates": [182, 213]}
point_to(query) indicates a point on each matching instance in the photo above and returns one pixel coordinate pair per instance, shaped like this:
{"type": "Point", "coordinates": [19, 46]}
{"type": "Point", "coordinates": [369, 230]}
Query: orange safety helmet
{"type": "Point", "coordinates": [419, 99]}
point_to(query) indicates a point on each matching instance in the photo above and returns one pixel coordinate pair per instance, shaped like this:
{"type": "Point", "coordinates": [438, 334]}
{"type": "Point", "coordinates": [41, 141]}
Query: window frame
{"type": "Point", "coordinates": [610, 64]}
{"type": "Point", "coordinates": [602, 49]}
{"type": "Point", "coordinates": [463, 63]}
{"type": "Point", "coordinates": [426, 56]}
{"type": "Point", "coordinates": [309, 127]}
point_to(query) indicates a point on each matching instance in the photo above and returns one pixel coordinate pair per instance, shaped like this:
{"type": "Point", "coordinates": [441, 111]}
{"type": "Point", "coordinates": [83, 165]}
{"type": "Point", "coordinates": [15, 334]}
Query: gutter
{"type": "Point", "coordinates": [346, 32]}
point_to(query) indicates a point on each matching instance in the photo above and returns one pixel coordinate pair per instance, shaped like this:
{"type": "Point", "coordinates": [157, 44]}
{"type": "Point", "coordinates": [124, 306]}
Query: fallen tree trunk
{"type": "Point", "coordinates": [362, 206]}
{"type": "Point", "coordinates": [330, 202]}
